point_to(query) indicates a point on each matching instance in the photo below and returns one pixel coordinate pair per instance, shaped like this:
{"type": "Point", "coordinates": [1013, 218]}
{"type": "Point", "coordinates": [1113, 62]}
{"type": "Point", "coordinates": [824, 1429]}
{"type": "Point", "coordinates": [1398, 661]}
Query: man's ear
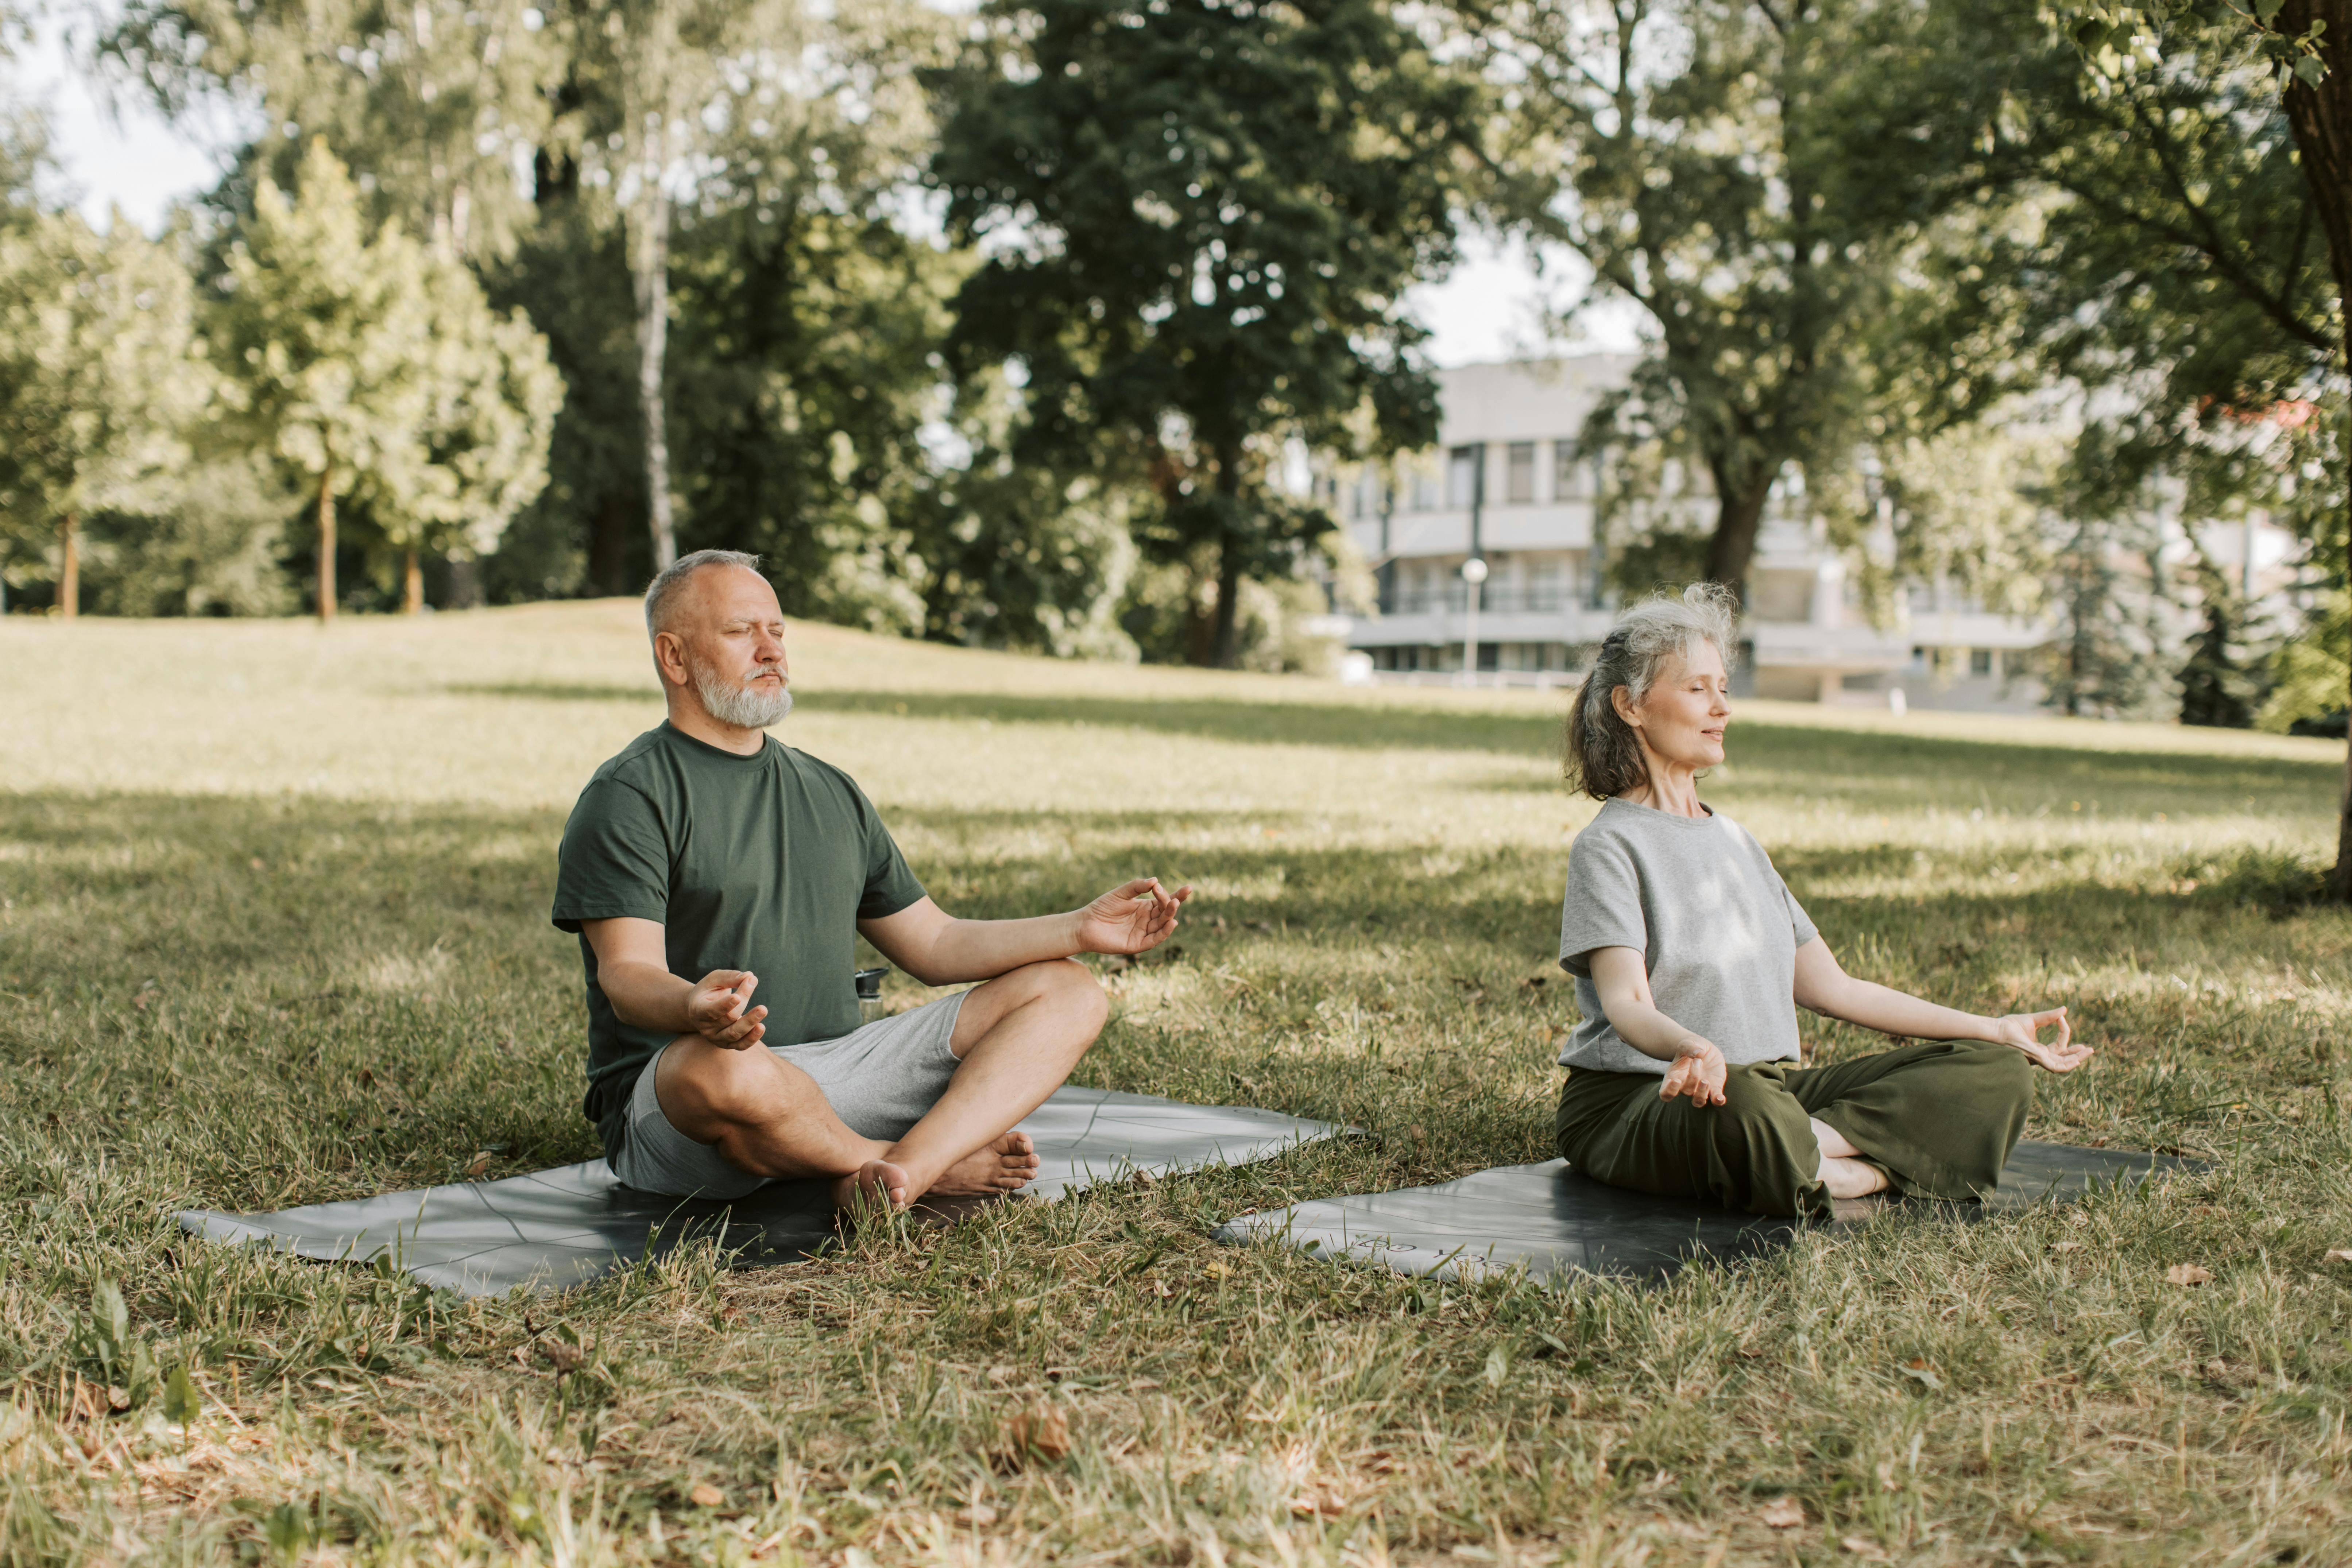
{"type": "Point", "coordinates": [669, 657]}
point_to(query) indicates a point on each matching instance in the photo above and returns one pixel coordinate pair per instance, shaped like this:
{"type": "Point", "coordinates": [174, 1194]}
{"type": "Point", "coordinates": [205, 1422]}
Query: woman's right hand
{"type": "Point", "coordinates": [1699, 1070]}
{"type": "Point", "coordinates": [2023, 1030]}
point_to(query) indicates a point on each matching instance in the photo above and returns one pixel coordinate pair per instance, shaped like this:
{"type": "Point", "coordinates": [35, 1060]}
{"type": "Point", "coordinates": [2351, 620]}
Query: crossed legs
{"type": "Point", "coordinates": [1016, 1036]}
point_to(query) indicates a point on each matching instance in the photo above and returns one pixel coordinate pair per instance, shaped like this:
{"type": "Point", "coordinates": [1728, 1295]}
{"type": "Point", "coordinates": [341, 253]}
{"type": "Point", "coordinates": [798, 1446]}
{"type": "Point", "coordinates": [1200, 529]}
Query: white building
{"type": "Point", "coordinates": [1508, 483]}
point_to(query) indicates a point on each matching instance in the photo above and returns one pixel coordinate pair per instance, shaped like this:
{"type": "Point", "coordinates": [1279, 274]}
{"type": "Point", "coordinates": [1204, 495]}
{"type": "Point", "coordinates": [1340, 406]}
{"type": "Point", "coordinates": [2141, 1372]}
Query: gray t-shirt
{"type": "Point", "coordinates": [1718, 930]}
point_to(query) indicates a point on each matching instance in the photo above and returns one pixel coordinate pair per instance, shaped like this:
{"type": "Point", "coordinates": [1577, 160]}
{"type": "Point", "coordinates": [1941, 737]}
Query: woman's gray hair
{"type": "Point", "coordinates": [1605, 755]}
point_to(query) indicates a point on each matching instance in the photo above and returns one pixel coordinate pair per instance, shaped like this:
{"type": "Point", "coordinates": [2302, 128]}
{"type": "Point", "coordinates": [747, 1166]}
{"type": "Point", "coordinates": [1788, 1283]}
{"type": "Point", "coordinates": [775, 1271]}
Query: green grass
{"type": "Point", "coordinates": [273, 931]}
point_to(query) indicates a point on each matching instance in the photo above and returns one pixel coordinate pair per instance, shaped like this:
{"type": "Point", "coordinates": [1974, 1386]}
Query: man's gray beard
{"type": "Point", "coordinates": [732, 702]}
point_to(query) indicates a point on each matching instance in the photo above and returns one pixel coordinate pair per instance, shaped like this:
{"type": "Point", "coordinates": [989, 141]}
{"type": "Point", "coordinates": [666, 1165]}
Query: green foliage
{"type": "Point", "coordinates": [103, 375]}
{"type": "Point", "coordinates": [2312, 672]}
{"type": "Point", "coordinates": [1198, 220]}
{"type": "Point", "coordinates": [370, 366]}
{"type": "Point", "coordinates": [430, 102]}
{"type": "Point", "coordinates": [1711, 161]}
{"type": "Point", "coordinates": [2220, 680]}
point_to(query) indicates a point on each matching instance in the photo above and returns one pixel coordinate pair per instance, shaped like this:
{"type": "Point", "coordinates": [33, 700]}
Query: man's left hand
{"type": "Point", "coordinates": [1134, 917]}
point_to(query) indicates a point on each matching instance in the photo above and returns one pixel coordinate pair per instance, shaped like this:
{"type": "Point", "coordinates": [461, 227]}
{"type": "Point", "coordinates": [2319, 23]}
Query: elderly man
{"type": "Point", "coordinates": [715, 877]}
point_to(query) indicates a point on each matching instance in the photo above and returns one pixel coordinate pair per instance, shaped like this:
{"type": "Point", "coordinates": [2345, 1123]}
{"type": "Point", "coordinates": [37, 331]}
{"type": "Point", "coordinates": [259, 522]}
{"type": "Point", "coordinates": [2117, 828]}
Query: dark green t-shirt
{"type": "Point", "coordinates": [764, 863]}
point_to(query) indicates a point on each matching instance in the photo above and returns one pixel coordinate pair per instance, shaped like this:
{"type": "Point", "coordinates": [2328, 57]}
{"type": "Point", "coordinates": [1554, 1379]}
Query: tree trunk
{"type": "Point", "coordinates": [2322, 120]}
{"type": "Point", "coordinates": [1229, 557]}
{"type": "Point", "coordinates": [1738, 517]}
{"type": "Point", "coordinates": [327, 545]}
{"type": "Point", "coordinates": [411, 595]}
{"type": "Point", "coordinates": [70, 567]}
{"type": "Point", "coordinates": [651, 263]}
{"type": "Point", "coordinates": [1229, 593]}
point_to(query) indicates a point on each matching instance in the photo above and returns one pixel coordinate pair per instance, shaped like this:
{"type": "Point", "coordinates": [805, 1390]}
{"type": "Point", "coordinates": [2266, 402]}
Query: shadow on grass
{"type": "Point", "coordinates": [380, 994]}
{"type": "Point", "coordinates": [1790, 757]}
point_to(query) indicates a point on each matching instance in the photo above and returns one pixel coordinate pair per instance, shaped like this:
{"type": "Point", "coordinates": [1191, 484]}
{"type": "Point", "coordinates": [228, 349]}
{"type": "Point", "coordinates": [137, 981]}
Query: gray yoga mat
{"type": "Point", "coordinates": [1554, 1221]}
{"type": "Point", "coordinates": [554, 1229]}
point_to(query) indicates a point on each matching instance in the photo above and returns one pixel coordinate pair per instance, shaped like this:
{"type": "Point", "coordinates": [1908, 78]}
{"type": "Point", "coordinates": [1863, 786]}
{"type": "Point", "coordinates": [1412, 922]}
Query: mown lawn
{"type": "Point", "coordinates": [273, 931]}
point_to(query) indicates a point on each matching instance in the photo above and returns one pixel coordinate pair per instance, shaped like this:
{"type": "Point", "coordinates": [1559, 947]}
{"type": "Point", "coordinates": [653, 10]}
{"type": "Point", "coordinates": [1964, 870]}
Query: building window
{"type": "Point", "coordinates": [1462, 476]}
{"type": "Point", "coordinates": [1979, 661]}
{"type": "Point", "coordinates": [1569, 479]}
{"type": "Point", "coordinates": [1519, 474]}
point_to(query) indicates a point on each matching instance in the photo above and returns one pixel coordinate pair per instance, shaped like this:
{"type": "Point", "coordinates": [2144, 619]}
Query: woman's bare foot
{"type": "Point", "coordinates": [878, 1183]}
{"type": "Point", "coordinates": [1849, 1178]}
{"type": "Point", "coordinates": [1006, 1165]}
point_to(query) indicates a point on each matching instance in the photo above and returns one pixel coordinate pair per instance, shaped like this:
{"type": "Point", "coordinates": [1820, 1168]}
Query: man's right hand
{"type": "Point", "coordinates": [721, 1009]}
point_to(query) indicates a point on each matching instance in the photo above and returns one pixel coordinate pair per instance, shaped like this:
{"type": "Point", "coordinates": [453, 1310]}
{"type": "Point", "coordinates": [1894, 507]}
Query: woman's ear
{"type": "Point", "coordinates": [1621, 698]}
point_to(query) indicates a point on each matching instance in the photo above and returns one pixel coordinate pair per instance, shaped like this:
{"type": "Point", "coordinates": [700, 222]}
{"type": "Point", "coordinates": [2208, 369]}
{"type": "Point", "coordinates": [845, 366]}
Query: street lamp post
{"type": "Point", "coordinates": [1474, 572]}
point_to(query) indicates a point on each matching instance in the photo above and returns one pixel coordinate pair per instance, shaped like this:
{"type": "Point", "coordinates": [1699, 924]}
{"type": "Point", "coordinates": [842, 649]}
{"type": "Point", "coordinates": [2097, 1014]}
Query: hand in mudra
{"type": "Point", "coordinates": [1699, 1072]}
{"type": "Point", "coordinates": [721, 1009]}
{"type": "Point", "coordinates": [1134, 917]}
{"type": "Point", "coordinates": [2023, 1030]}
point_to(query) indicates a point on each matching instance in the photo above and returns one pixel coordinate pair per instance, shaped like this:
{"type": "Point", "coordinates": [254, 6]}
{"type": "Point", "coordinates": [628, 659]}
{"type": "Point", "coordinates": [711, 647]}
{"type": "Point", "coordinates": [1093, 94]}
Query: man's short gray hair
{"type": "Point", "coordinates": [672, 577]}
{"type": "Point", "coordinates": [1604, 756]}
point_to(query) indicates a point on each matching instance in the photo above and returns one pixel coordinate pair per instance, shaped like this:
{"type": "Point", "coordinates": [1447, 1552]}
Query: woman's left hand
{"type": "Point", "coordinates": [2023, 1030]}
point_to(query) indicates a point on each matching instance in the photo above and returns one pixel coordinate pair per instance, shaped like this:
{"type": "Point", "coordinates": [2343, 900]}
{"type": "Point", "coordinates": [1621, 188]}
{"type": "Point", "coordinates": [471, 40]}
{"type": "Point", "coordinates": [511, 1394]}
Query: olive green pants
{"type": "Point", "coordinates": [1938, 1116]}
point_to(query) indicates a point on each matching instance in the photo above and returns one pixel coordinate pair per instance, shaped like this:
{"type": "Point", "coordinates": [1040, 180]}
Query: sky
{"type": "Point", "coordinates": [116, 150]}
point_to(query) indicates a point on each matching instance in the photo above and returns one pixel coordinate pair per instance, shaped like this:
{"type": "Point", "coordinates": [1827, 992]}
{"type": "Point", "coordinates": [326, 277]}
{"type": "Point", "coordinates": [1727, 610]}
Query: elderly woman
{"type": "Point", "coordinates": [1691, 958]}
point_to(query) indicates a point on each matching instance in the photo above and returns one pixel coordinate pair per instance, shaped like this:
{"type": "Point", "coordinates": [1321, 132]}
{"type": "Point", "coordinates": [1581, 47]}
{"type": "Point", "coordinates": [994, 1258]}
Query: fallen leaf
{"type": "Point", "coordinates": [2339, 1255]}
{"type": "Point", "coordinates": [562, 1357]}
{"type": "Point", "coordinates": [1917, 1367]}
{"type": "Point", "coordinates": [705, 1495]}
{"type": "Point", "coordinates": [2187, 1274]}
{"type": "Point", "coordinates": [118, 1398]}
{"type": "Point", "coordinates": [1783, 1513]}
{"type": "Point", "coordinates": [980, 1516]}
{"type": "Point", "coordinates": [2067, 1246]}
{"type": "Point", "coordinates": [1043, 1431]}
{"type": "Point", "coordinates": [481, 1163]}
{"type": "Point", "coordinates": [1865, 1548]}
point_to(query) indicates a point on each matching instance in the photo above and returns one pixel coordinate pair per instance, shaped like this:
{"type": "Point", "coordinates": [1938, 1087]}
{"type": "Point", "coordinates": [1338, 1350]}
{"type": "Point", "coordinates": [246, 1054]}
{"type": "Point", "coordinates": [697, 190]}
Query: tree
{"type": "Point", "coordinates": [480, 457]}
{"type": "Point", "coordinates": [663, 70]}
{"type": "Point", "coordinates": [372, 368]}
{"type": "Point", "coordinates": [1700, 156]}
{"type": "Point", "coordinates": [2304, 50]}
{"type": "Point", "coordinates": [101, 375]}
{"type": "Point", "coordinates": [430, 102]}
{"type": "Point", "coordinates": [1199, 220]}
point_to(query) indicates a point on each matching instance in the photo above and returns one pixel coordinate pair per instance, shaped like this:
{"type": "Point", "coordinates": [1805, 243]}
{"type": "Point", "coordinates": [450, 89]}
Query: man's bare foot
{"type": "Point", "coordinates": [1847, 1178]}
{"type": "Point", "coordinates": [1006, 1165]}
{"type": "Point", "coordinates": [877, 1183]}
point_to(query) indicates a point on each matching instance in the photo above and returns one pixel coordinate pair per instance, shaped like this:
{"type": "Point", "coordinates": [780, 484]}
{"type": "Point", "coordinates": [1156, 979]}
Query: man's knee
{"type": "Point", "coordinates": [1063, 989]}
{"type": "Point", "coordinates": [698, 1082]}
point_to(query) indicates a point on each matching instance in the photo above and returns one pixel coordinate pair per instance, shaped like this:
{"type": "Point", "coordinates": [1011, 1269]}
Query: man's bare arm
{"type": "Point", "coordinates": [937, 949]}
{"type": "Point", "coordinates": [633, 967]}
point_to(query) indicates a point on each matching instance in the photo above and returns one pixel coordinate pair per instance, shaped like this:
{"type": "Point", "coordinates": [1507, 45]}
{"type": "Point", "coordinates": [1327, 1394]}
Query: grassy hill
{"type": "Point", "coordinates": [273, 930]}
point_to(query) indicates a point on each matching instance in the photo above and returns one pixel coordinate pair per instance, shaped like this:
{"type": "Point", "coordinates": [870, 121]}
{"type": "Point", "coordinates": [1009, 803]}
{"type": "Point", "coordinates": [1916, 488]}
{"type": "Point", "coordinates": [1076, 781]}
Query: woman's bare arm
{"type": "Point", "coordinates": [1622, 979]}
{"type": "Point", "coordinates": [1824, 988]}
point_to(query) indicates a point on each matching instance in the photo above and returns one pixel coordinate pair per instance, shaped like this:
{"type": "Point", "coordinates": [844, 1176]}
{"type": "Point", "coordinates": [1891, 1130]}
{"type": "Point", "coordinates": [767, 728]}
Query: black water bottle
{"type": "Point", "coordinates": [869, 994]}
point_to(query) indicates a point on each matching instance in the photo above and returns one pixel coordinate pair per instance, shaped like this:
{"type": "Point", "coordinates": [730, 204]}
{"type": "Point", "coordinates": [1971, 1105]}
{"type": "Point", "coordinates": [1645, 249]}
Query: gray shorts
{"type": "Point", "coordinates": [880, 1079]}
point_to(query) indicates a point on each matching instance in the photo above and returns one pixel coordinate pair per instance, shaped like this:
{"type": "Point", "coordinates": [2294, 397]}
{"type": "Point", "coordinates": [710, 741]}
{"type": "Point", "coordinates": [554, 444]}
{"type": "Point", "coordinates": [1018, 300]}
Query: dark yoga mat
{"type": "Point", "coordinates": [558, 1228]}
{"type": "Point", "coordinates": [1554, 1221]}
